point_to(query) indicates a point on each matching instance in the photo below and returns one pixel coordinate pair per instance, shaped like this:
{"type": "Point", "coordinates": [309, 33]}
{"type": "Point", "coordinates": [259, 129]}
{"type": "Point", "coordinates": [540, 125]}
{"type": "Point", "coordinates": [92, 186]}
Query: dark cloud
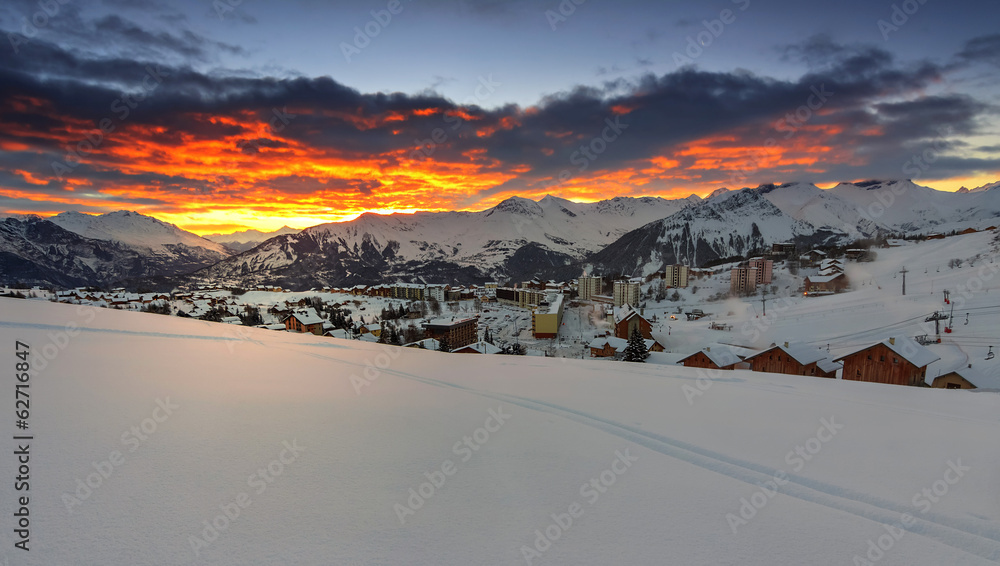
{"type": "Point", "coordinates": [868, 90]}
{"type": "Point", "coordinates": [985, 49]}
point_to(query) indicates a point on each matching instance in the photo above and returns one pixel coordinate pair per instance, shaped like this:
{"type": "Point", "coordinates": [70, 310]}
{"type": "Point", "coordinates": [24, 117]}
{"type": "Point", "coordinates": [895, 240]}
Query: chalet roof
{"type": "Point", "coordinates": [429, 343]}
{"type": "Point", "coordinates": [481, 347]}
{"type": "Point", "coordinates": [307, 316]}
{"type": "Point", "coordinates": [619, 344]}
{"type": "Point", "coordinates": [446, 322]}
{"type": "Point", "coordinates": [829, 366]}
{"type": "Point", "coordinates": [907, 348]}
{"type": "Point", "coordinates": [824, 278]}
{"type": "Point", "coordinates": [721, 358]}
{"type": "Point", "coordinates": [973, 376]}
{"type": "Point", "coordinates": [802, 353]}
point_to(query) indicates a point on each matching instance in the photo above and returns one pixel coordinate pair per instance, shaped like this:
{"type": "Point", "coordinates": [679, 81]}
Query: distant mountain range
{"type": "Point", "coordinates": [517, 239]}
{"type": "Point", "coordinates": [248, 239]}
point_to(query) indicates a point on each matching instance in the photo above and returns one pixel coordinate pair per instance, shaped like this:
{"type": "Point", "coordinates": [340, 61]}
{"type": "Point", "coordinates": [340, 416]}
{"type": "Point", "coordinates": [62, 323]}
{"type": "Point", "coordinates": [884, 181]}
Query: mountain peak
{"type": "Point", "coordinates": [518, 205]}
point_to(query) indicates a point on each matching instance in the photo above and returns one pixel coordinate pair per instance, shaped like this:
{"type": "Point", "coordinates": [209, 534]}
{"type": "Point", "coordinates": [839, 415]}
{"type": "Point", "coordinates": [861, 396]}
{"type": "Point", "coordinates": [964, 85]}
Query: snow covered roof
{"type": "Point", "coordinates": [481, 347]}
{"type": "Point", "coordinates": [829, 366]}
{"type": "Point", "coordinates": [907, 348]}
{"type": "Point", "coordinates": [973, 376]}
{"type": "Point", "coordinates": [307, 316]}
{"type": "Point", "coordinates": [720, 357]}
{"type": "Point", "coordinates": [619, 344]}
{"type": "Point", "coordinates": [446, 321]}
{"type": "Point", "coordinates": [802, 353]}
{"type": "Point", "coordinates": [429, 343]}
{"type": "Point", "coordinates": [824, 278]}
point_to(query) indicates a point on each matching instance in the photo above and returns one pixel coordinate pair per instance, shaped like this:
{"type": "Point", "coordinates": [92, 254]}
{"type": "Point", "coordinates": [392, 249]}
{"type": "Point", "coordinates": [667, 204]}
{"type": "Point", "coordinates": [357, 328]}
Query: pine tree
{"type": "Point", "coordinates": [636, 351]}
{"type": "Point", "coordinates": [443, 345]}
{"type": "Point", "coordinates": [394, 337]}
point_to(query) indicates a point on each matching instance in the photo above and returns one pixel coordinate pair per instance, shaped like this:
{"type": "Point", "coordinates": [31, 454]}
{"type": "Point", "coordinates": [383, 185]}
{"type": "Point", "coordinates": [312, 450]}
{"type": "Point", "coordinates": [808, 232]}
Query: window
{"type": "Point", "coordinates": [881, 358]}
{"type": "Point", "coordinates": [895, 360]}
{"type": "Point", "coordinates": [869, 356]}
{"type": "Point", "coordinates": [859, 373]}
{"type": "Point", "coordinates": [953, 386]}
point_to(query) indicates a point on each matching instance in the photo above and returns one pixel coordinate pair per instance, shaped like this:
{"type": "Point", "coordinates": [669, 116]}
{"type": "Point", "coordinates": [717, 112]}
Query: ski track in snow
{"type": "Point", "coordinates": [977, 537]}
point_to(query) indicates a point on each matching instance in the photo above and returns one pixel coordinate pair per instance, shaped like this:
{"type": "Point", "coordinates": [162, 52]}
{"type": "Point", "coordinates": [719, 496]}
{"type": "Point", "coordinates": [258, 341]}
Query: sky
{"type": "Point", "coordinates": [222, 115]}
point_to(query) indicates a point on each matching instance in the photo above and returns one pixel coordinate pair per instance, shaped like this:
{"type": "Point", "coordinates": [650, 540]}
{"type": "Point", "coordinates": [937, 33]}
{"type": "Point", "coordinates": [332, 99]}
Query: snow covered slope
{"type": "Point", "coordinates": [551, 230]}
{"type": "Point", "coordinates": [740, 222]}
{"type": "Point", "coordinates": [133, 229]}
{"type": "Point", "coordinates": [221, 448]}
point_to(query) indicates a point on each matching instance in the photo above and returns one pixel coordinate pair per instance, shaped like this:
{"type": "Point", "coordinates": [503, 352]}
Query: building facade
{"type": "Point", "coordinates": [626, 292]}
{"type": "Point", "coordinates": [588, 286]}
{"type": "Point", "coordinates": [458, 333]}
{"type": "Point", "coordinates": [676, 276]}
{"type": "Point", "coordinates": [742, 280]}
{"type": "Point", "coordinates": [765, 269]}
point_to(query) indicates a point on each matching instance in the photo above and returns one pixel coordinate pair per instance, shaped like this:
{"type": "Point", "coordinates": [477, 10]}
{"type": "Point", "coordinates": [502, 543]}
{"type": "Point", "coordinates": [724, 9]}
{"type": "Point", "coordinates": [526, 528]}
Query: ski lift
{"type": "Point", "coordinates": [966, 319]}
{"type": "Point", "coordinates": [990, 354]}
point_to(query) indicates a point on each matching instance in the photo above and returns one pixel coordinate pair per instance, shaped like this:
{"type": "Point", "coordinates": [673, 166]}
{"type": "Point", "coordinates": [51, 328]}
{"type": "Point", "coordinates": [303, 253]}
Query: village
{"type": "Point", "coordinates": [696, 317]}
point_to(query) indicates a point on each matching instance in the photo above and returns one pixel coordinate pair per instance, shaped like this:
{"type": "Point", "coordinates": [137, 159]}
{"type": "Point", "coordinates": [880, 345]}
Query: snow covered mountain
{"type": "Point", "coordinates": [516, 237]}
{"type": "Point", "coordinates": [736, 223]}
{"type": "Point", "coordinates": [248, 239]}
{"type": "Point", "coordinates": [134, 229]}
{"type": "Point", "coordinates": [79, 249]}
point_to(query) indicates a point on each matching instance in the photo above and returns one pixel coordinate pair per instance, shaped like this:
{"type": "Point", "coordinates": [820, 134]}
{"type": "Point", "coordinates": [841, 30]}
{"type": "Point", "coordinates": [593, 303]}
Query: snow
{"type": "Point", "coordinates": [678, 467]}
{"type": "Point", "coordinates": [133, 229]}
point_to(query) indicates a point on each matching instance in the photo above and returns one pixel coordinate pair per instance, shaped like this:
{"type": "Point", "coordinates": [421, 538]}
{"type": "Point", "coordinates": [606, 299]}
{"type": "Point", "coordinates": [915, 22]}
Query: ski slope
{"type": "Point", "coordinates": [679, 452]}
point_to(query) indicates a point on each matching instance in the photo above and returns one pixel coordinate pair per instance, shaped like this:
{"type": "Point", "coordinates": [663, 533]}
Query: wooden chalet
{"type": "Point", "coordinates": [896, 361]}
{"type": "Point", "coordinates": [794, 359]}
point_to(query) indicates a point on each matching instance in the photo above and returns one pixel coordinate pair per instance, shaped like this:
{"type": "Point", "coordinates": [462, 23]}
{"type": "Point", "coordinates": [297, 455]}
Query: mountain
{"type": "Point", "coordinates": [515, 238]}
{"type": "Point", "coordinates": [73, 249]}
{"type": "Point", "coordinates": [248, 239]}
{"type": "Point", "coordinates": [135, 230]}
{"type": "Point", "coordinates": [737, 223]}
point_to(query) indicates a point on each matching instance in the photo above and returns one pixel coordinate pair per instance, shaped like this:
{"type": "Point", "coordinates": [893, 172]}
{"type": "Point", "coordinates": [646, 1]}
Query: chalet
{"type": "Point", "coordinates": [783, 249]}
{"type": "Point", "coordinates": [855, 254]}
{"type": "Point", "coordinates": [628, 319]}
{"type": "Point", "coordinates": [896, 361]}
{"type": "Point", "coordinates": [458, 332]}
{"type": "Point", "coordinates": [426, 344]}
{"type": "Point", "coordinates": [968, 231]}
{"type": "Point", "coordinates": [373, 329]}
{"type": "Point", "coordinates": [612, 346]}
{"type": "Point", "coordinates": [706, 358]}
{"type": "Point", "coordinates": [341, 333]}
{"type": "Point", "coordinates": [480, 347]}
{"type": "Point", "coordinates": [304, 320]}
{"type": "Point", "coordinates": [815, 256]}
{"type": "Point", "coordinates": [966, 378]}
{"type": "Point", "coordinates": [277, 326]}
{"type": "Point", "coordinates": [232, 320]}
{"type": "Point", "coordinates": [825, 284]}
{"type": "Point", "coordinates": [794, 359]}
